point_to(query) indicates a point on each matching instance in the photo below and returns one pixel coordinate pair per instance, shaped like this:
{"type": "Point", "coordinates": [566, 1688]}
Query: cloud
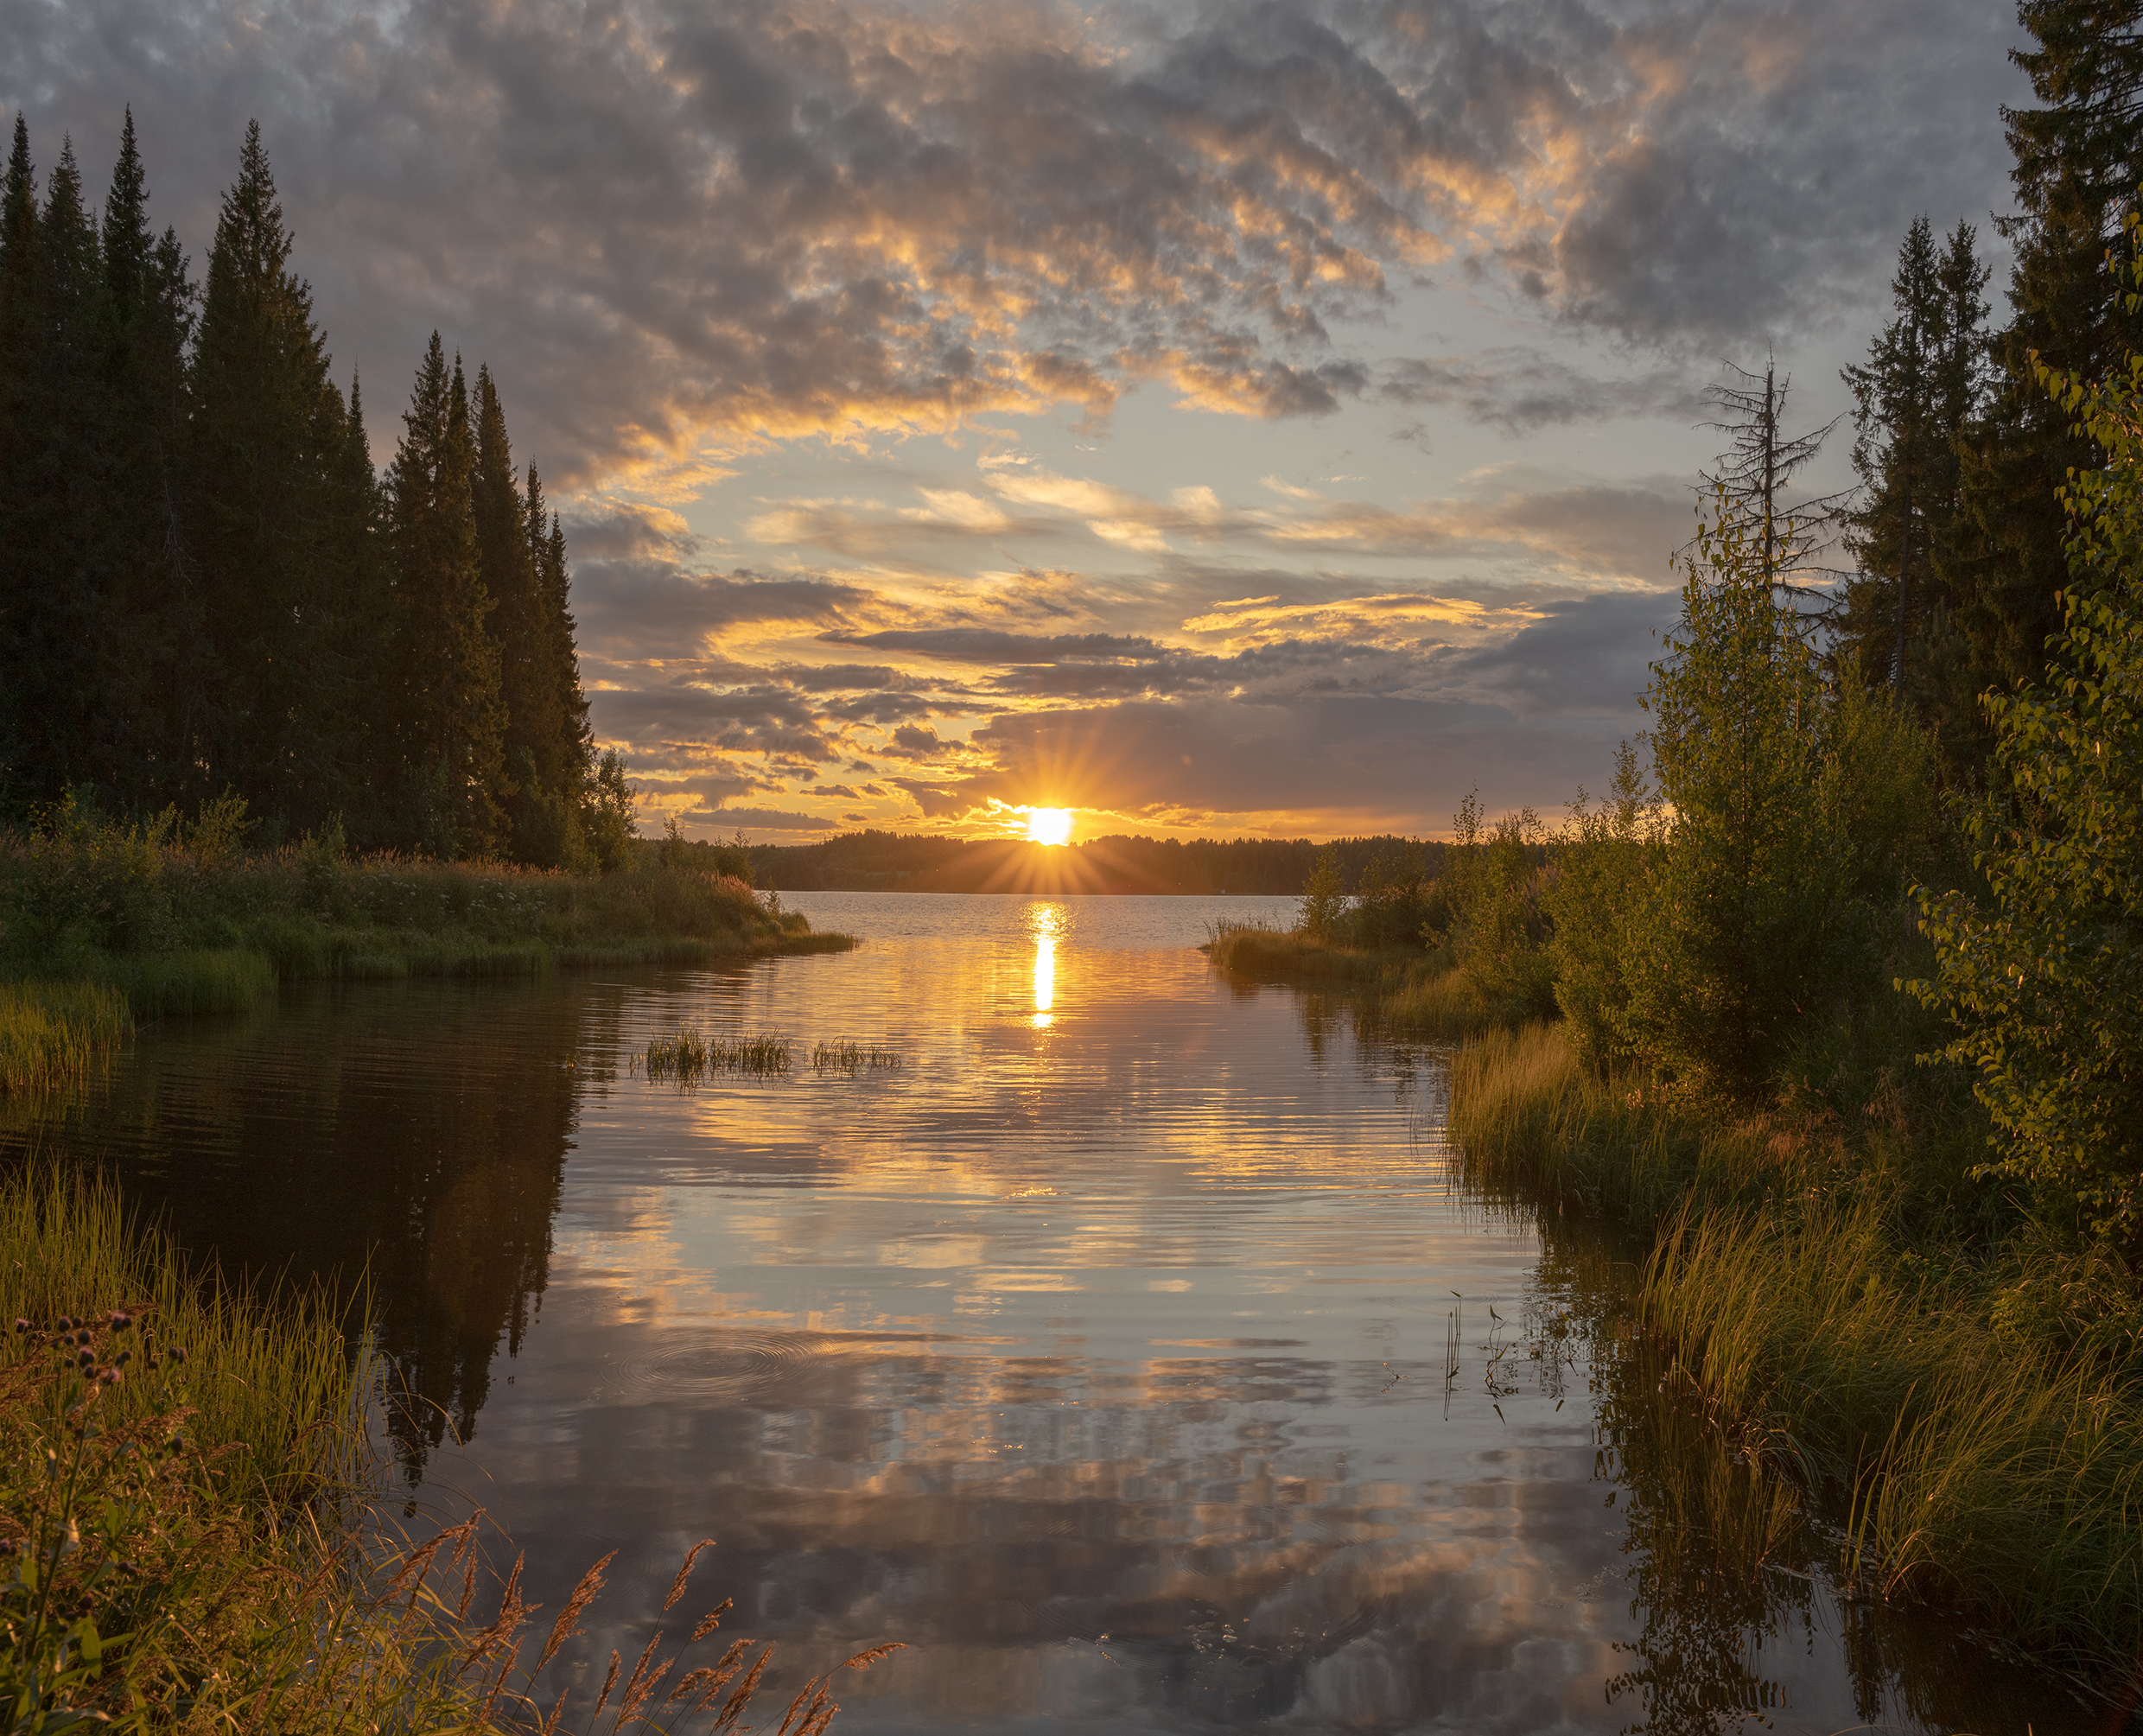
{"type": "Point", "coordinates": [681, 229]}
{"type": "Point", "coordinates": [1520, 389]}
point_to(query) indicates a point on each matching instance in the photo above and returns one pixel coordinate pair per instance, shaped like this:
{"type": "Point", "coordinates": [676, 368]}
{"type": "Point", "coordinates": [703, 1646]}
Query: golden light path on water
{"type": "Point", "coordinates": [1048, 921]}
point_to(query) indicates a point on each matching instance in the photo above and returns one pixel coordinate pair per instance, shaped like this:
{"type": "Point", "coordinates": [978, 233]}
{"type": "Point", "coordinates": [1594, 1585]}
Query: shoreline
{"type": "Point", "coordinates": [1857, 1320]}
{"type": "Point", "coordinates": [99, 932]}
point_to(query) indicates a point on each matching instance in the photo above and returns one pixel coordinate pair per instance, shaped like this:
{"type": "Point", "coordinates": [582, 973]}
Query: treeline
{"type": "Point", "coordinates": [205, 587]}
{"type": "Point", "coordinates": [1957, 535]}
{"type": "Point", "coordinates": [894, 861]}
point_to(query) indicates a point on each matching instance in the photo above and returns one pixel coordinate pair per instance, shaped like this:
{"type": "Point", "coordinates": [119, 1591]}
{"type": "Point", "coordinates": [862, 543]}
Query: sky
{"type": "Point", "coordinates": [1262, 419]}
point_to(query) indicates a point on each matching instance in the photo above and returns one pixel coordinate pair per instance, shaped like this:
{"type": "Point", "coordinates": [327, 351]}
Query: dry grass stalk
{"type": "Point", "coordinates": [583, 1594]}
{"type": "Point", "coordinates": [712, 1619]}
{"type": "Point", "coordinates": [684, 1572]}
{"type": "Point", "coordinates": [610, 1681]}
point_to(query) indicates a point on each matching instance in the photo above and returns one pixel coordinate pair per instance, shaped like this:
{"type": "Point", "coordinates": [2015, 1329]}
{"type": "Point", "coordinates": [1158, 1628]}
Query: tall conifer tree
{"type": "Point", "coordinates": [267, 427]}
{"type": "Point", "coordinates": [455, 730]}
{"type": "Point", "coordinates": [1914, 399]}
{"type": "Point", "coordinates": [148, 644]}
{"type": "Point", "coordinates": [2078, 159]}
{"type": "Point", "coordinates": [539, 813]}
{"type": "Point", "coordinates": [18, 333]}
{"type": "Point", "coordinates": [56, 538]}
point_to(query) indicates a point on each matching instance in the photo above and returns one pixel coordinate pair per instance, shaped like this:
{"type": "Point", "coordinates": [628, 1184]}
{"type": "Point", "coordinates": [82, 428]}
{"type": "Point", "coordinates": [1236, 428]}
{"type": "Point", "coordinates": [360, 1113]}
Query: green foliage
{"type": "Point", "coordinates": [1494, 884]}
{"type": "Point", "coordinates": [610, 827]}
{"type": "Point", "coordinates": [2078, 151]}
{"type": "Point", "coordinates": [1394, 900]}
{"type": "Point", "coordinates": [1601, 856]}
{"type": "Point", "coordinates": [1323, 897]}
{"type": "Point", "coordinates": [181, 919]}
{"type": "Point", "coordinates": [2042, 977]}
{"type": "Point", "coordinates": [1794, 812]}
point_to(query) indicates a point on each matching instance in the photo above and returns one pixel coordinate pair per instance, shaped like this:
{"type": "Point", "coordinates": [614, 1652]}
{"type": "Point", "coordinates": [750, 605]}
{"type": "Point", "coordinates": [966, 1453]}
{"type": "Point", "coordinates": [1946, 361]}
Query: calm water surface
{"type": "Point", "coordinates": [1124, 1351]}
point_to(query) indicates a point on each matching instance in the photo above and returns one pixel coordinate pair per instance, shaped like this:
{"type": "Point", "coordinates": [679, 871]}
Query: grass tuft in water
{"type": "Point", "coordinates": [853, 1058]}
{"type": "Point", "coordinates": [53, 1033]}
{"type": "Point", "coordinates": [689, 1056]}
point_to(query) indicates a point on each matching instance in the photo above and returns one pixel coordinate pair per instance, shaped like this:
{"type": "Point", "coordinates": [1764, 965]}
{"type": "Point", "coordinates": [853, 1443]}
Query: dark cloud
{"type": "Point", "coordinates": [1521, 391]}
{"type": "Point", "coordinates": [1590, 655]}
{"type": "Point", "coordinates": [756, 719]}
{"type": "Point", "coordinates": [1198, 762]}
{"type": "Point", "coordinates": [667, 220]}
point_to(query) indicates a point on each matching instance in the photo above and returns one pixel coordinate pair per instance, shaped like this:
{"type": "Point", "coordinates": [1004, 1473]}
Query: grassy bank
{"type": "Point", "coordinates": [1416, 994]}
{"type": "Point", "coordinates": [103, 924]}
{"type": "Point", "coordinates": [186, 1530]}
{"type": "Point", "coordinates": [1956, 1384]}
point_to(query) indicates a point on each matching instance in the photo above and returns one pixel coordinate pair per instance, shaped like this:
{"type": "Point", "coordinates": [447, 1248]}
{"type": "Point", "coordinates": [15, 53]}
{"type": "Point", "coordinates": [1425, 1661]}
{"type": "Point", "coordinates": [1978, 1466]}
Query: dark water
{"type": "Point", "coordinates": [1124, 1351]}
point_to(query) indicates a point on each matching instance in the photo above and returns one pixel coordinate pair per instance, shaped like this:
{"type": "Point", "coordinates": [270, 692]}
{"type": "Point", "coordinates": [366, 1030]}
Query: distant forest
{"type": "Point", "coordinates": [891, 862]}
{"type": "Point", "coordinates": [203, 585]}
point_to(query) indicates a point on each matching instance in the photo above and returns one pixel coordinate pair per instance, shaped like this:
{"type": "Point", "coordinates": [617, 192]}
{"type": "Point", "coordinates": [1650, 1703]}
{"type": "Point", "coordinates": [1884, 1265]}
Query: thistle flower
{"type": "Point", "coordinates": [21, 1325]}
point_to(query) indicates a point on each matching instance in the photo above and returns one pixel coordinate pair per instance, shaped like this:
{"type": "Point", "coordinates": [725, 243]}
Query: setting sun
{"type": "Point", "coordinates": [1049, 825]}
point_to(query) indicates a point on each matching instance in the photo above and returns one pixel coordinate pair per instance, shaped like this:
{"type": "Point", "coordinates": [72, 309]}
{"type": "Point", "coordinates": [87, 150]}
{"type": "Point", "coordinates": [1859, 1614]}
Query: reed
{"type": "Point", "coordinates": [1982, 1467]}
{"type": "Point", "coordinates": [164, 984]}
{"type": "Point", "coordinates": [1535, 1126]}
{"type": "Point", "coordinates": [52, 1032]}
{"type": "Point", "coordinates": [1970, 1412]}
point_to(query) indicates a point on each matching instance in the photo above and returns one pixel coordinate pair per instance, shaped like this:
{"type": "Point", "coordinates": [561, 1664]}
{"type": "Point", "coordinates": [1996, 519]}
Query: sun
{"type": "Point", "coordinates": [1049, 825]}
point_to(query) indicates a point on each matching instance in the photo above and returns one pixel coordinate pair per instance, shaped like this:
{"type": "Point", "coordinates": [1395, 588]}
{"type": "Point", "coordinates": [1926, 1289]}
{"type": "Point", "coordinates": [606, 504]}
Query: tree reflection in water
{"type": "Point", "coordinates": [300, 1143]}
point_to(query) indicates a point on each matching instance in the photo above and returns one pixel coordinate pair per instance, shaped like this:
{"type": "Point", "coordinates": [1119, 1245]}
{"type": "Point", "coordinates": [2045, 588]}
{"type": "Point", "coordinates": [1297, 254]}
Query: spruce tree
{"type": "Point", "coordinates": [566, 760]}
{"type": "Point", "coordinates": [539, 811]}
{"type": "Point", "coordinates": [2078, 159]}
{"type": "Point", "coordinates": [148, 646]}
{"type": "Point", "coordinates": [54, 538]}
{"type": "Point", "coordinates": [454, 737]}
{"type": "Point", "coordinates": [1914, 399]}
{"type": "Point", "coordinates": [18, 333]}
{"type": "Point", "coordinates": [267, 427]}
{"type": "Point", "coordinates": [370, 639]}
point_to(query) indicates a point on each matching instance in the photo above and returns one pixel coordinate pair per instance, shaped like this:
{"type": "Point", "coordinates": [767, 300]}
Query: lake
{"type": "Point", "coordinates": [1126, 1350]}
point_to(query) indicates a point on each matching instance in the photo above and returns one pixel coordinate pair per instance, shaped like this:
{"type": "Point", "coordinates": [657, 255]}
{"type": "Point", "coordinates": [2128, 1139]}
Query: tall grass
{"type": "Point", "coordinates": [1971, 1414]}
{"type": "Point", "coordinates": [1986, 1468]}
{"type": "Point", "coordinates": [1535, 1126]}
{"type": "Point", "coordinates": [51, 1033]}
{"type": "Point", "coordinates": [273, 1369]}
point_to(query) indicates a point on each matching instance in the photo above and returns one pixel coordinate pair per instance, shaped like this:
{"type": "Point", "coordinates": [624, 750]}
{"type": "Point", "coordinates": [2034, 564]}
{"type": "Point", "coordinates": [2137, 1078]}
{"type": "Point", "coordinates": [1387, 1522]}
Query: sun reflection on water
{"type": "Point", "coordinates": [1047, 921]}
